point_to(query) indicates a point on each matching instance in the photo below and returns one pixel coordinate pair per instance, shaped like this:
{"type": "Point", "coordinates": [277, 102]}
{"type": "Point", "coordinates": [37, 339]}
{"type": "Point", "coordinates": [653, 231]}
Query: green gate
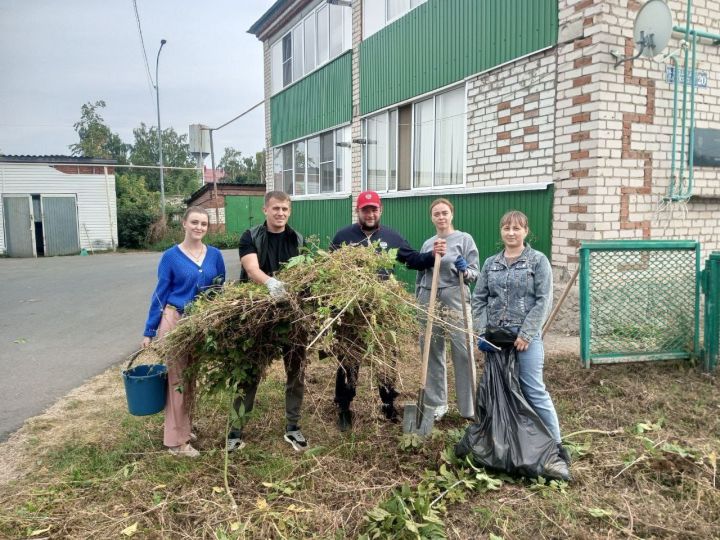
{"type": "Point", "coordinates": [243, 212]}
{"type": "Point", "coordinates": [711, 288]}
{"type": "Point", "coordinates": [639, 301]}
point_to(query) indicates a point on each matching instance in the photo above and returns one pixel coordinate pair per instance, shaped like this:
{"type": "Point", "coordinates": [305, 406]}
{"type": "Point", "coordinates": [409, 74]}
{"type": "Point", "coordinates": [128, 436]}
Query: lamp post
{"type": "Point", "coordinates": [157, 97]}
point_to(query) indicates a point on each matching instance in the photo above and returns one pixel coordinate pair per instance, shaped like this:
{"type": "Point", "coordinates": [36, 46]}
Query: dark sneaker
{"type": "Point", "coordinates": [564, 454]}
{"type": "Point", "coordinates": [235, 442]}
{"type": "Point", "coordinates": [390, 413]}
{"type": "Point", "coordinates": [297, 440]}
{"type": "Point", "coordinates": [345, 420]}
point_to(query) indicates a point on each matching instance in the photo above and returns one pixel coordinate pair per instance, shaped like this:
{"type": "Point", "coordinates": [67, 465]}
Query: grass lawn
{"type": "Point", "coordinates": [645, 440]}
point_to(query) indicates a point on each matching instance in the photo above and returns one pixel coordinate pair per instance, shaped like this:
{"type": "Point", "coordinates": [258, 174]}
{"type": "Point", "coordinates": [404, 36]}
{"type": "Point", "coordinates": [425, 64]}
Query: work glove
{"type": "Point", "coordinates": [485, 346]}
{"type": "Point", "coordinates": [276, 288]}
{"type": "Point", "coordinates": [461, 264]}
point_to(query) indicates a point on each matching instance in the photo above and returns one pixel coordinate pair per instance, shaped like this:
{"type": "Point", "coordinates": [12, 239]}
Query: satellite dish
{"type": "Point", "coordinates": [653, 28]}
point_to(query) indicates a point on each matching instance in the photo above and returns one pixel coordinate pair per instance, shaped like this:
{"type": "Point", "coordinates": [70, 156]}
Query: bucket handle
{"type": "Point", "coordinates": [132, 358]}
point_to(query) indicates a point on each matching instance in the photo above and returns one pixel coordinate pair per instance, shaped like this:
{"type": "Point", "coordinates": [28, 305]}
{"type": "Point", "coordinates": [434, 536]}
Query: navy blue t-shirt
{"type": "Point", "coordinates": [353, 235]}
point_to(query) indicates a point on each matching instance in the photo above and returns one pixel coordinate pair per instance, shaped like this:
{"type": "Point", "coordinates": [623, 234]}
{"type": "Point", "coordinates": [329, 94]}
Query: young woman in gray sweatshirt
{"type": "Point", "coordinates": [461, 256]}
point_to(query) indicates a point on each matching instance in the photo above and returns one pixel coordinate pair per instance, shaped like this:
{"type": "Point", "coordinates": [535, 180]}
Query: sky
{"type": "Point", "coordinates": [56, 55]}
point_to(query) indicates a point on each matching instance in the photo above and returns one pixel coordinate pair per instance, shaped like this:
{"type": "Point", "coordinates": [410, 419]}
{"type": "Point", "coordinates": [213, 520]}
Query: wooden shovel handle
{"type": "Point", "coordinates": [555, 310]}
{"type": "Point", "coordinates": [429, 325]}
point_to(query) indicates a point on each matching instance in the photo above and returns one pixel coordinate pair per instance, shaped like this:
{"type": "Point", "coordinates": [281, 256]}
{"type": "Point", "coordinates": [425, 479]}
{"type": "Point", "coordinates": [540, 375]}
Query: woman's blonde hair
{"type": "Point", "coordinates": [514, 216]}
{"type": "Point", "coordinates": [195, 210]}
{"type": "Point", "coordinates": [441, 200]}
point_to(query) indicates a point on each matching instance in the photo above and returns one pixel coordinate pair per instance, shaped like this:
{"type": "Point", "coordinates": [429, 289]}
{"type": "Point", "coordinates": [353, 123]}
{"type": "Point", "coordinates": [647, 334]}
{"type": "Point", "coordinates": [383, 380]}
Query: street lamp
{"type": "Point", "coordinates": [157, 96]}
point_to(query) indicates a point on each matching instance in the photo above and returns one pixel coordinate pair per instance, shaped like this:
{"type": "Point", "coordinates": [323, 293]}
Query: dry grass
{"type": "Point", "coordinates": [87, 469]}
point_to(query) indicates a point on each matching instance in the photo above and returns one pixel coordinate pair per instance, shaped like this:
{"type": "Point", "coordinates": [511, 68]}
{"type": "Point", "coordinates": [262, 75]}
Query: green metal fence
{"type": "Point", "coordinates": [711, 288]}
{"type": "Point", "coordinates": [639, 301]}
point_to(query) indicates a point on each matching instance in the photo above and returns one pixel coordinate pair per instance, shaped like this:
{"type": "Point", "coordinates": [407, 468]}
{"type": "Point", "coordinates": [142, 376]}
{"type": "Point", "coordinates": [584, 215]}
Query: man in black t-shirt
{"type": "Point", "coordinates": [263, 249]}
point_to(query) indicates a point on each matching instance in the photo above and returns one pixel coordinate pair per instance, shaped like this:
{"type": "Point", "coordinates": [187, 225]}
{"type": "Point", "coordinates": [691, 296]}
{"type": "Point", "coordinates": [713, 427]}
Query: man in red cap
{"type": "Point", "coordinates": [363, 233]}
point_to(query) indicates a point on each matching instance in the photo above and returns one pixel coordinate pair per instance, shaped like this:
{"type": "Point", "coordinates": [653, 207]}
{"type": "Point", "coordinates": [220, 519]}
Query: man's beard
{"type": "Point", "coordinates": [370, 229]}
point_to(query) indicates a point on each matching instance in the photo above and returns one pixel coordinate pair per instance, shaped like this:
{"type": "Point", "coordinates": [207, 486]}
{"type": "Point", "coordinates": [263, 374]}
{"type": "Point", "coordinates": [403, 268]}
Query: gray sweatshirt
{"type": "Point", "coordinates": [458, 243]}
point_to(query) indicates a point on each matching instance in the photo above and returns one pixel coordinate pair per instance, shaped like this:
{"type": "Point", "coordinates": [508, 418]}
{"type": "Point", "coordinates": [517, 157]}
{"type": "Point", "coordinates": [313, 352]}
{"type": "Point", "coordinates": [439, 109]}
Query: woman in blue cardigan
{"type": "Point", "coordinates": [185, 270]}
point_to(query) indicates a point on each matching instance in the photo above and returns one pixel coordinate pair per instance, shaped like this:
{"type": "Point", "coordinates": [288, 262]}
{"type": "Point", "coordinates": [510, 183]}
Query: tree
{"type": "Point", "coordinates": [242, 170]}
{"type": "Point", "coordinates": [176, 153]}
{"type": "Point", "coordinates": [96, 139]}
{"type": "Point", "coordinates": [137, 210]}
{"type": "Point", "coordinates": [233, 164]}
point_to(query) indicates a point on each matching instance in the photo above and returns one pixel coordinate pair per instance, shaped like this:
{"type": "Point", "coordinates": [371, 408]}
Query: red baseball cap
{"type": "Point", "coordinates": [368, 198]}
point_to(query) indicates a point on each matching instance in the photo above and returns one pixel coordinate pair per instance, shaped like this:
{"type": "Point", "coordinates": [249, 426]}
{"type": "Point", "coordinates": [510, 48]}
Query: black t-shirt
{"type": "Point", "coordinates": [281, 248]}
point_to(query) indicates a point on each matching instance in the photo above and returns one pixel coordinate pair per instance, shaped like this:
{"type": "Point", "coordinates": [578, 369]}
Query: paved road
{"type": "Point", "coordinates": [66, 319]}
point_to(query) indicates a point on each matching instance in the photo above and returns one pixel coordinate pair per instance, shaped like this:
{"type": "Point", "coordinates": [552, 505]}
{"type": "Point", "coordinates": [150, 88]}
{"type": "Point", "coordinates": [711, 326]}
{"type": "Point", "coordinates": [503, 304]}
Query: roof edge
{"type": "Point", "coordinates": [56, 160]}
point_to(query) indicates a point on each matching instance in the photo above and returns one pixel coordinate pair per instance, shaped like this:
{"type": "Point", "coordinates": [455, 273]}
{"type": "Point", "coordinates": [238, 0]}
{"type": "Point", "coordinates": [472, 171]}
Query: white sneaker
{"type": "Point", "coordinates": [184, 450]}
{"type": "Point", "coordinates": [440, 412]}
{"type": "Point", "coordinates": [296, 439]}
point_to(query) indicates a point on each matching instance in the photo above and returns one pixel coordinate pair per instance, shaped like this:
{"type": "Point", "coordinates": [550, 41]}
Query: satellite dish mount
{"type": "Point", "coordinates": [651, 33]}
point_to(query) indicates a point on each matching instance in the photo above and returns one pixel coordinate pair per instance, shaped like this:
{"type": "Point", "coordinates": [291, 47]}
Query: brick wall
{"type": "Point", "coordinates": [510, 123]}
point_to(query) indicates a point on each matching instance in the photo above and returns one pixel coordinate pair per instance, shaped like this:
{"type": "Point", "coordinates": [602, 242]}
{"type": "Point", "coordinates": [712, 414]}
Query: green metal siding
{"type": "Point", "coordinates": [478, 214]}
{"type": "Point", "coordinates": [444, 41]}
{"type": "Point", "coordinates": [320, 101]}
{"type": "Point", "coordinates": [321, 218]}
{"type": "Point", "coordinates": [243, 212]}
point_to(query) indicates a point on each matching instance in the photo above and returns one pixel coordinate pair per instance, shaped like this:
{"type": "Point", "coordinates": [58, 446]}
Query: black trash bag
{"type": "Point", "coordinates": [509, 436]}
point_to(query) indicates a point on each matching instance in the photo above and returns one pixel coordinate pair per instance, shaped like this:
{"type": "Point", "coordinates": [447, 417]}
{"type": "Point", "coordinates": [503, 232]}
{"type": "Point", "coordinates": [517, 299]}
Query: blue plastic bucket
{"type": "Point", "coordinates": [145, 389]}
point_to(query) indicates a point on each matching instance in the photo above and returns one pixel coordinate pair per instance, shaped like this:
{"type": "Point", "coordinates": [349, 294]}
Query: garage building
{"type": "Point", "coordinates": [56, 205]}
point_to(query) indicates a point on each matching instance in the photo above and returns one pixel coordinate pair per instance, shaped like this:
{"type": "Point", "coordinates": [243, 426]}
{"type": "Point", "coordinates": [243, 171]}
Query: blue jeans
{"type": "Point", "coordinates": [531, 364]}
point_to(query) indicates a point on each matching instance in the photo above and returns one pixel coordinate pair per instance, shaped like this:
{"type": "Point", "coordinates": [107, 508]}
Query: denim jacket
{"type": "Point", "coordinates": [520, 295]}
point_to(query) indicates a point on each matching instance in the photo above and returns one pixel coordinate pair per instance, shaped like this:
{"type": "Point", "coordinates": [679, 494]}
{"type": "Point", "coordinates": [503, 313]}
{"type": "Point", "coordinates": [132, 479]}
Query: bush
{"type": "Point", "coordinates": [137, 209]}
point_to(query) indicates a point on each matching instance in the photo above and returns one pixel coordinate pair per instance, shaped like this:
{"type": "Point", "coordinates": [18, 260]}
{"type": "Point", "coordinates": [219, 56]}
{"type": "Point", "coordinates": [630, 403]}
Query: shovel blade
{"type": "Point", "coordinates": [410, 415]}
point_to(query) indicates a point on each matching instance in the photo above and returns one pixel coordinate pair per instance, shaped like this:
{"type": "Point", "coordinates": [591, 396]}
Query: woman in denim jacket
{"type": "Point", "coordinates": [514, 289]}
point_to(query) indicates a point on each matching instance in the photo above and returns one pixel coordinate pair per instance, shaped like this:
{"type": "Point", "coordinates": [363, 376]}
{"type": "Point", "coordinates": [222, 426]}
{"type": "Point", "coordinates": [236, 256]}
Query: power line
{"type": "Point", "coordinates": [144, 52]}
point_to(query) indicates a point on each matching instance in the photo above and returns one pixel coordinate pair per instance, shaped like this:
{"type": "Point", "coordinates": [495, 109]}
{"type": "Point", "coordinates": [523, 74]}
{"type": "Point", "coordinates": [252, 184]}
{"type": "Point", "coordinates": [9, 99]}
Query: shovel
{"type": "Point", "coordinates": [417, 417]}
{"type": "Point", "coordinates": [468, 334]}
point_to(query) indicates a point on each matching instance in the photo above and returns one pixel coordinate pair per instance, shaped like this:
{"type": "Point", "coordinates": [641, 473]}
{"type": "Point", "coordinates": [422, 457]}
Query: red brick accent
{"type": "Point", "coordinates": [503, 150]}
{"type": "Point", "coordinates": [583, 4]}
{"type": "Point", "coordinates": [503, 120]}
{"type": "Point", "coordinates": [503, 136]}
{"type": "Point", "coordinates": [577, 226]}
{"type": "Point", "coordinates": [529, 130]}
{"type": "Point", "coordinates": [580, 117]}
{"type": "Point", "coordinates": [580, 136]}
{"type": "Point", "coordinates": [629, 153]}
{"type": "Point", "coordinates": [577, 192]}
{"type": "Point", "coordinates": [581, 43]}
{"type": "Point", "coordinates": [580, 154]}
{"type": "Point", "coordinates": [504, 105]}
{"type": "Point", "coordinates": [532, 114]}
{"type": "Point", "coordinates": [573, 242]}
{"type": "Point", "coordinates": [516, 110]}
{"type": "Point", "coordinates": [580, 173]}
{"type": "Point", "coordinates": [582, 81]}
{"type": "Point", "coordinates": [582, 98]}
{"type": "Point", "coordinates": [582, 61]}
{"type": "Point", "coordinates": [578, 208]}
{"type": "Point", "coordinates": [533, 97]}
{"type": "Point", "coordinates": [531, 146]}
{"type": "Point", "coordinates": [587, 21]}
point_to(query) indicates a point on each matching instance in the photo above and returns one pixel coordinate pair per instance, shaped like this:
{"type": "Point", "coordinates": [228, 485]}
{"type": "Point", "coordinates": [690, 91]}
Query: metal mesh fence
{"type": "Point", "coordinates": [639, 303]}
{"type": "Point", "coordinates": [711, 282]}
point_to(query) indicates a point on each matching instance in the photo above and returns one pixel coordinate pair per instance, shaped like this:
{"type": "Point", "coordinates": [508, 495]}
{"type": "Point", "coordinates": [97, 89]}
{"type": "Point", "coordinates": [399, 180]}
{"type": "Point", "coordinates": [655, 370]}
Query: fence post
{"type": "Point", "coordinates": [584, 286]}
{"type": "Point", "coordinates": [711, 284]}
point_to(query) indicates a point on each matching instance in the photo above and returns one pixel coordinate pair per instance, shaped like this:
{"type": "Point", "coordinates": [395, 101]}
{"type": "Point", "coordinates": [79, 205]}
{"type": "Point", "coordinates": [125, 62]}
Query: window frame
{"type": "Point", "coordinates": [299, 27]}
{"type": "Point", "coordinates": [338, 190]}
{"type": "Point", "coordinates": [413, 138]}
{"type": "Point", "coordinates": [385, 16]}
